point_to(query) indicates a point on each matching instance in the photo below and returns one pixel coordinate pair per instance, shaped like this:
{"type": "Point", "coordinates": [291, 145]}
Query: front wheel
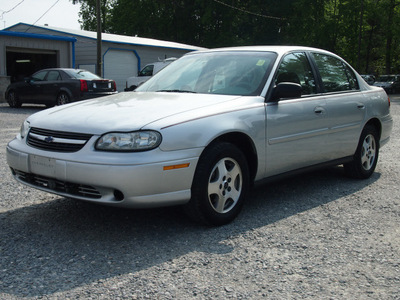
{"type": "Point", "coordinates": [62, 99]}
{"type": "Point", "coordinates": [219, 186]}
{"type": "Point", "coordinates": [366, 156]}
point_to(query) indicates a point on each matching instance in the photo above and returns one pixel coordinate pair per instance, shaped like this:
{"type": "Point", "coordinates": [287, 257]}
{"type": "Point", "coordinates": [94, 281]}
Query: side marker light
{"type": "Point", "coordinates": [174, 167]}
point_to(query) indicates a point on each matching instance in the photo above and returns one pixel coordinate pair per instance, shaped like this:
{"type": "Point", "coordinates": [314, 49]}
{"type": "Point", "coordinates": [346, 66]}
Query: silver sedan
{"type": "Point", "coordinates": [206, 127]}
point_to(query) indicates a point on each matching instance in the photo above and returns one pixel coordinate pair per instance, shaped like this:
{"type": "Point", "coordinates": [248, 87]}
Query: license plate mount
{"type": "Point", "coordinates": [42, 165]}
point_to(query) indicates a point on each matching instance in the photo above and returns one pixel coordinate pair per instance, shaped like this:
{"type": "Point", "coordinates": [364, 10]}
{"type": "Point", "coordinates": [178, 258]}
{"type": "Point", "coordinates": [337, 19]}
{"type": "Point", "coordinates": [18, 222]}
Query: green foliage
{"type": "Point", "coordinates": [365, 32]}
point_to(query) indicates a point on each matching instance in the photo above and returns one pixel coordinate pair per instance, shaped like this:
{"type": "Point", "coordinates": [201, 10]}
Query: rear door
{"type": "Point", "coordinates": [297, 131]}
{"type": "Point", "coordinates": [344, 102]}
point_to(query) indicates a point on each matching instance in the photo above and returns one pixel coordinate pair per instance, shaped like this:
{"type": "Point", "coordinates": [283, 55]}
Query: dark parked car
{"type": "Point", "coordinates": [391, 83]}
{"type": "Point", "coordinates": [58, 86]}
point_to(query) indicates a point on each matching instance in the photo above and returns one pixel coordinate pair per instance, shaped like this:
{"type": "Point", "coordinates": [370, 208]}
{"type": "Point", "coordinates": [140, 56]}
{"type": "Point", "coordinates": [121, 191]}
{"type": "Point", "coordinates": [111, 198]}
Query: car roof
{"type": "Point", "coordinates": [59, 69]}
{"type": "Point", "coordinates": [278, 49]}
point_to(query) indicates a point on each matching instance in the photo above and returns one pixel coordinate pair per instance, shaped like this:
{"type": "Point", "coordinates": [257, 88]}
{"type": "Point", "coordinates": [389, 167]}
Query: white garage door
{"type": "Point", "coordinates": [119, 65]}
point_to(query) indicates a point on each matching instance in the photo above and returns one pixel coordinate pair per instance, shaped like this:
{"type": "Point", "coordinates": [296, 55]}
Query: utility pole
{"type": "Point", "coordinates": [360, 36]}
{"type": "Point", "coordinates": [98, 17]}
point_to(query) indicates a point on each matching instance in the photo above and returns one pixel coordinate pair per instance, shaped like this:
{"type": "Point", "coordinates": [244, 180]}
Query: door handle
{"type": "Point", "coordinates": [360, 106]}
{"type": "Point", "coordinates": [319, 110]}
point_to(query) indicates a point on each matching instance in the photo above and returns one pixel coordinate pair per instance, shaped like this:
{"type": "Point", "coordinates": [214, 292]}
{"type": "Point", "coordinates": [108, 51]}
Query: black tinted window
{"type": "Point", "coordinates": [335, 75]}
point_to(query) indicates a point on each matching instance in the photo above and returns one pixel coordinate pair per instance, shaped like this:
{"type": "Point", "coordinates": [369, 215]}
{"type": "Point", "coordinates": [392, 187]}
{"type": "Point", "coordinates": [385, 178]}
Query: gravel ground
{"type": "Point", "coordinates": [315, 236]}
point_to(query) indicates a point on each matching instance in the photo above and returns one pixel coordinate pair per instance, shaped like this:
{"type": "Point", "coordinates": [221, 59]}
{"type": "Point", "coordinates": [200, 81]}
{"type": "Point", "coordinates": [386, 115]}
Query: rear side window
{"type": "Point", "coordinates": [53, 76]}
{"type": "Point", "coordinates": [336, 76]}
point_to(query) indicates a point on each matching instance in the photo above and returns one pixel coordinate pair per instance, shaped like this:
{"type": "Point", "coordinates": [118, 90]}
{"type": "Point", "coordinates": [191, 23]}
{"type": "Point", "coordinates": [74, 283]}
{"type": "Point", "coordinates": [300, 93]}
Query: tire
{"type": "Point", "coordinates": [366, 156]}
{"type": "Point", "coordinates": [62, 99]}
{"type": "Point", "coordinates": [13, 100]}
{"type": "Point", "coordinates": [219, 186]}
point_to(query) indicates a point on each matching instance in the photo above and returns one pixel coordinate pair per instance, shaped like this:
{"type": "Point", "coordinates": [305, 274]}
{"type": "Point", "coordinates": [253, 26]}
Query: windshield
{"type": "Point", "coordinates": [81, 74]}
{"type": "Point", "coordinates": [386, 78]}
{"type": "Point", "coordinates": [225, 73]}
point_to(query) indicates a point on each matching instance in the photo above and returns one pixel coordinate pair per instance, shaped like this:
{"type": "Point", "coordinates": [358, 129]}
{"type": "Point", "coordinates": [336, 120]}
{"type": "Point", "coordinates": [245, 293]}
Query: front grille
{"type": "Point", "coordinates": [59, 141]}
{"type": "Point", "coordinates": [59, 186]}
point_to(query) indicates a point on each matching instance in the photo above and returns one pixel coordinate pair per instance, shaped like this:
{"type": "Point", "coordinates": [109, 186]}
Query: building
{"type": "Point", "coordinates": [26, 48]}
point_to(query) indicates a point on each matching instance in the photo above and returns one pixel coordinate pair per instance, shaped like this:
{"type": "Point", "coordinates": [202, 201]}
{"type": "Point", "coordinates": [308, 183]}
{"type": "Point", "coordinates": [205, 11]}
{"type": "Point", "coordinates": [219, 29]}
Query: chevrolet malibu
{"type": "Point", "coordinates": [204, 129]}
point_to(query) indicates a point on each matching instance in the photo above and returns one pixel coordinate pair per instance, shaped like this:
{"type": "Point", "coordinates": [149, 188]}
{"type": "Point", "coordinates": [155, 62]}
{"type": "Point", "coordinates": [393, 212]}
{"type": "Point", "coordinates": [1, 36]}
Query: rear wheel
{"type": "Point", "coordinates": [62, 99]}
{"type": "Point", "coordinates": [13, 100]}
{"type": "Point", "coordinates": [219, 185]}
{"type": "Point", "coordinates": [366, 156]}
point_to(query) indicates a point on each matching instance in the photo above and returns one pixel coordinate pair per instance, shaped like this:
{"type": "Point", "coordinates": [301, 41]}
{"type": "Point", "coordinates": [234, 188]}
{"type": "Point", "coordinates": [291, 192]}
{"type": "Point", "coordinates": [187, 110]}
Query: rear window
{"type": "Point", "coordinates": [81, 74]}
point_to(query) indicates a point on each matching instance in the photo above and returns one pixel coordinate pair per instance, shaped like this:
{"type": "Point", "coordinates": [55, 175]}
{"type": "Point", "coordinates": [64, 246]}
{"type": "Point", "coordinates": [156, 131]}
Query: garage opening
{"type": "Point", "coordinates": [119, 64]}
{"type": "Point", "coordinates": [21, 63]}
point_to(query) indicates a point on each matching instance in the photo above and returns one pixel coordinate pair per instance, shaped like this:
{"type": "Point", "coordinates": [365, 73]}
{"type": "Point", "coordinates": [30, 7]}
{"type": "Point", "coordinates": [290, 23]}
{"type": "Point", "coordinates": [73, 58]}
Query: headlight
{"type": "Point", "coordinates": [24, 129]}
{"type": "Point", "coordinates": [129, 141]}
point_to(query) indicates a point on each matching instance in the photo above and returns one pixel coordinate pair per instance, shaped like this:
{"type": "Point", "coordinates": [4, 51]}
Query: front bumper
{"type": "Point", "coordinates": [118, 184]}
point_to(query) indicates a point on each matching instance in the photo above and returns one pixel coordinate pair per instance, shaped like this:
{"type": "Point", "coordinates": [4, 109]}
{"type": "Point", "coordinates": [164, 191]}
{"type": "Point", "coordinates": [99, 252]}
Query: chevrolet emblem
{"type": "Point", "coordinates": [49, 139]}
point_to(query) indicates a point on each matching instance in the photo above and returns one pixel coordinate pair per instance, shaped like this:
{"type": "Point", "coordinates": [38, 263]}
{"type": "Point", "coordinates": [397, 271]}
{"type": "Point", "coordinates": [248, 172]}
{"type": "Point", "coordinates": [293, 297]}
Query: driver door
{"type": "Point", "coordinates": [297, 131]}
{"type": "Point", "coordinates": [32, 91]}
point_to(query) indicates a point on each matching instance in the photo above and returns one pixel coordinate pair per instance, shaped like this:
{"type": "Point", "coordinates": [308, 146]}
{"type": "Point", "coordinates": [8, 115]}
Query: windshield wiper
{"type": "Point", "coordinates": [176, 91]}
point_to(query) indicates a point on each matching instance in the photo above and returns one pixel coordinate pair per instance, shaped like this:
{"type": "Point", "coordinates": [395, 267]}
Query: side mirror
{"type": "Point", "coordinates": [286, 90]}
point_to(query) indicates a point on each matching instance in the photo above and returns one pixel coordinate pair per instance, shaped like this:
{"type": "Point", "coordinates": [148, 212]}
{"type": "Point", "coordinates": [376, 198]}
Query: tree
{"type": "Point", "coordinates": [365, 32]}
{"type": "Point", "coordinates": [88, 14]}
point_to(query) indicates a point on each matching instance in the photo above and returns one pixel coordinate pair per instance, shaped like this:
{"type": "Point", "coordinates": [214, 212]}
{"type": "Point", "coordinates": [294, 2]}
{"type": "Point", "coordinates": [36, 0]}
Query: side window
{"type": "Point", "coordinates": [296, 68]}
{"type": "Point", "coordinates": [53, 76]}
{"type": "Point", "coordinates": [147, 71]}
{"type": "Point", "coordinates": [335, 75]}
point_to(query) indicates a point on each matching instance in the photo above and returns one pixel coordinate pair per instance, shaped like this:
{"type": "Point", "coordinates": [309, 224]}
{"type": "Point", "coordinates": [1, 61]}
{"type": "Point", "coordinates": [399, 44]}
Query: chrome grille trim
{"type": "Point", "coordinates": [58, 141]}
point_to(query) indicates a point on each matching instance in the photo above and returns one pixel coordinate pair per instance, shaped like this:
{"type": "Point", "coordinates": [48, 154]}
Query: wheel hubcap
{"type": "Point", "coordinates": [62, 99]}
{"type": "Point", "coordinates": [225, 185]}
{"type": "Point", "coordinates": [368, 152]}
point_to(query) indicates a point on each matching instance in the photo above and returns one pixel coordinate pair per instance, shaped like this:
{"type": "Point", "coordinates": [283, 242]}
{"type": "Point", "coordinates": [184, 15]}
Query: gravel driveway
{"type": "Point", "coordinates": [315, 236]}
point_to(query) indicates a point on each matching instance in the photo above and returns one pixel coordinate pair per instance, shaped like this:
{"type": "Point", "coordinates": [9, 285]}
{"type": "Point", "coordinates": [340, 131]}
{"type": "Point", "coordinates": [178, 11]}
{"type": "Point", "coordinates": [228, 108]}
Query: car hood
{"type": "Point", "coordinates": [121, 112]}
